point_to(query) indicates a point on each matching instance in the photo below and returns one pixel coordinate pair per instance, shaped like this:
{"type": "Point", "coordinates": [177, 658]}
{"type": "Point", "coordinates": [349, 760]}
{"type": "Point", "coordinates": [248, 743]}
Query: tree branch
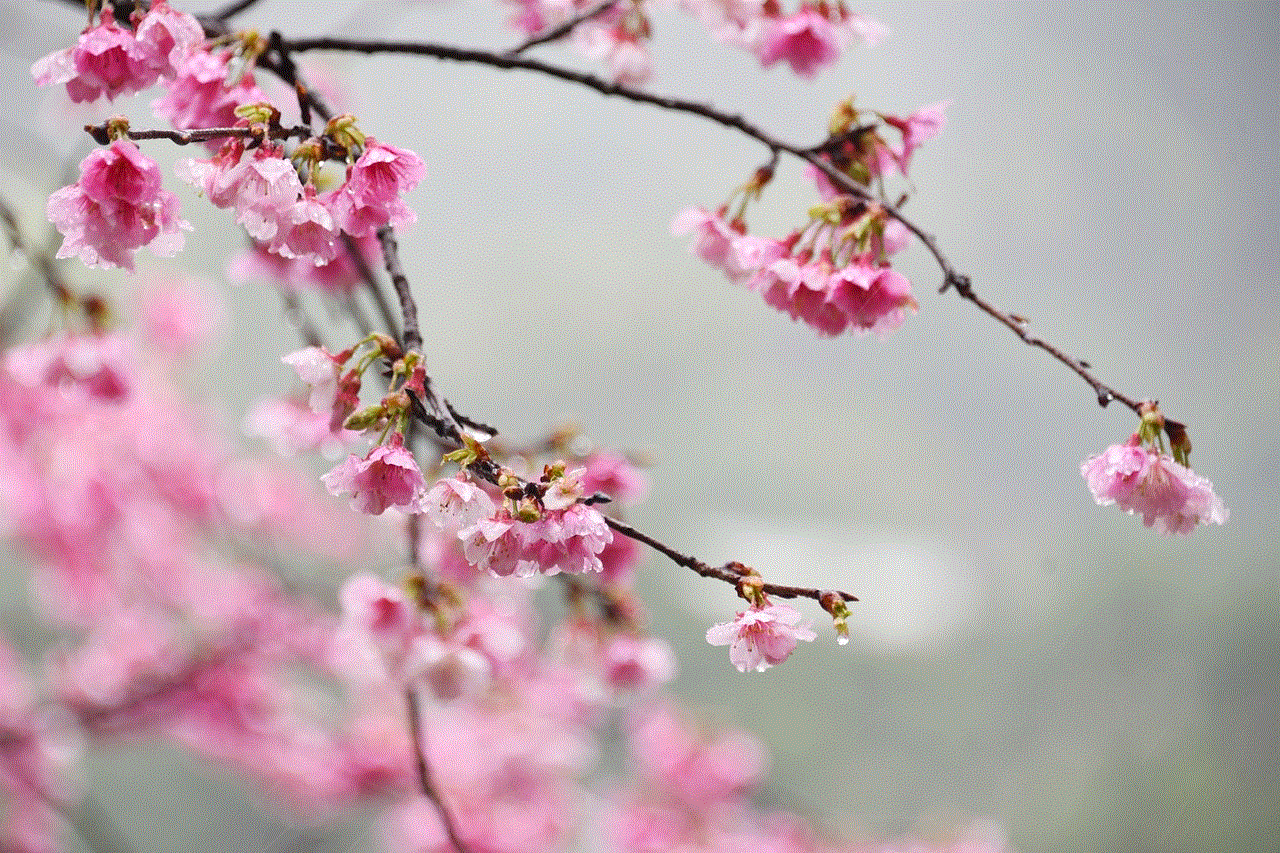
{"type": "Point", "coordinates": [562, 30]}
{"type": "Point", "coordinates": [508, 61]}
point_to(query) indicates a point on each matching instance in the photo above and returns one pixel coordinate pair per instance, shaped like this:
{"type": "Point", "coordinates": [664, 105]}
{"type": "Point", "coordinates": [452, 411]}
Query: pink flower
{"type": "Point", "coordinates": [308, 231]}
{"type": "Point", "coordinates": [805, 39]}
{"type": "Point", "coordinates": [116, 207]}
{"type": "Point", "coordinates": [371, 196]}
{"type": "Point", "coordinates": [199, 95]}
{"type": "Point", "coordinates": [106, 60]}
{"type": "Point", "coordinates": [266, 191]}
{"type": "Point", "coordinates": [917, 128]}
{"type": "Point", "coordinates": [320, 371]}
{"type": "Point", "coordinates": [713, 240]}
{"type": "Point", "coordinates": [387, 477]}
{"type": "Point", "coordinates": [1168, 495]}
{"type": "Point", "coordinates": [761, 637]}
{"type": "Point", "coordinates": [875, 299]}
{"type": "Point", "coordinates": [171, 35]}
{"type": "Point", "coordinates": [455, 503]}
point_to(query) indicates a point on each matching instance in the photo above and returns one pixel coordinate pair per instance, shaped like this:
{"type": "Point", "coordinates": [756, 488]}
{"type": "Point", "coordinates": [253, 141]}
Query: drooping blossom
{"type": "Point", "coordinates": [106, 60]}
{"type": "Point", "coordinates": [806, 40]}
{"type": "Point", "coordinates": [760, 637]}
{"type": "Point", "coordinates": [388, 476]}
{"type": "Point", "coordinates": [372, 195]}
{"type": "Point", "coordinates": [317, 367]}
{"type": "Point", "coordinates": [308, 231]}
{"type": "Point", "coordinates": [1141, 481]}
{"type": "Point", "coordinates": [171, 35]}
{"type": "Point", "coordinates": [201, 96]}
{"type": "Point", "coordinates": [116, 207]}
{"type": "Point", "coordinates": [715, 241]}
{"type": "Point", "coordinates": [857, 296]}
{"type": "Point", "coordinates": [919, 127]}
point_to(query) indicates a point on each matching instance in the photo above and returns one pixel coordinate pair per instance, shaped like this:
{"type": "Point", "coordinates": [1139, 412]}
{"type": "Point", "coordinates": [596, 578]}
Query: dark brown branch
{"type": "Point", "coordinates": [424, 774]}
{"type": "Point", "coordinates": [951, 277]}
{"type": "Point", "coordinates": [509, 62]}
{"type": "Point", "coordinates": [412, 337]}
{"type": "Point", "coordinates": [232, 9]}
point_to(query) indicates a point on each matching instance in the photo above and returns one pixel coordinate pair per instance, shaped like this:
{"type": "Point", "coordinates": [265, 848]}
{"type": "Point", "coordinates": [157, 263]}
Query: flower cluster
{"type": "Point", "coordinates": [834, 272]}
{"type": "Point", "coordinates": [110, 60]}
{"type": "Point", "coordinates": [808, 39]}
{"type": "Point", "coordinates": [832, 276]}
{"type": "Point", "coordinates": [293, 219]}
{"type": "Point", "coordinates": [529, 533]}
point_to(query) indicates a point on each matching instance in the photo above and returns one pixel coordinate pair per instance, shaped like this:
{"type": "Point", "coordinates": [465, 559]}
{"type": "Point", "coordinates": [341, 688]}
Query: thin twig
{"type": "Point", "coordinates": [185, 137]}
{"type": "Point", "coordinates": [40, 260]}
{"type": "Point", "coordinates": [563, 29]}
{"type": "Point", "coordinates": [232, 9]}
{"type": "Point", "coordinates": [424, 775]}
{"type": "Point", "coordinates": [729, 573]}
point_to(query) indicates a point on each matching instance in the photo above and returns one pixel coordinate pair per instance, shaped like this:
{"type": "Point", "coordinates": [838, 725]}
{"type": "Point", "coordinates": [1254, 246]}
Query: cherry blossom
{"type": "Point", "coordinates": [388, 477]}
{"type": "Point", "coordinates": [760, 637]}
{"type": "Point", "coordinates": [106, 60]}
{"type": "Point", "coordinates": [372, 195]}
{"type": "Point", "coordinates": [917, 128]}
{"type": "Point", "coordinates": [806, 40]}
{"type": "Point", "coordinates": [715, 241]}
{"type": "Point", "coordinates": [1168, 495]}
{"type": "Point", "coordinates": [117, 207]}
{"type": "Point", "coordinates": [200, 95]}
{"type": "Point", "coordinates": [317, 367]}
{"type": "Point", "coordinates": [455, 503]}
{"type": "Point", "coordinates": [171, 35]}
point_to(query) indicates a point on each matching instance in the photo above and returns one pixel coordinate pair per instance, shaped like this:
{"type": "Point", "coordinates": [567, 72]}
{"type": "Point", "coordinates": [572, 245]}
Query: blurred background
{"type": "Point", "coordinates": [1022, 657]}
